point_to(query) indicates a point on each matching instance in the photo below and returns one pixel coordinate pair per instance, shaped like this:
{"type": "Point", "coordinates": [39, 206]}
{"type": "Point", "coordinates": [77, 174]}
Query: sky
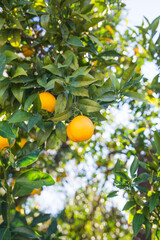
{"type": "Point", "coordinates": [52, 199]}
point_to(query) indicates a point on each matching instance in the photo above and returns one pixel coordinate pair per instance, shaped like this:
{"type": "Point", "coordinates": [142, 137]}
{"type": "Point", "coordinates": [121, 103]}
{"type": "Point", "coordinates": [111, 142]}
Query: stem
{"type": "Point", "coordinates": [8, 197]}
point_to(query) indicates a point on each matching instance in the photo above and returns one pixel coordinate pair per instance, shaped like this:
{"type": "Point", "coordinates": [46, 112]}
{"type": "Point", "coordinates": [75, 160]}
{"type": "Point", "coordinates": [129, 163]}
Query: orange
{"type": "Point", "coordinates": [48, 101]}
{"type": "Point", "coordinates": [4, 143]}
{"type": "Point", "coordinates": [136, 50]}
{"type": "Point", "coordinates": [23, 141]}
{"type": "Point", "coordinates": [36, 191]}
{"type": "Point", "coordinates": [27, 51]}
{"type": "Point", "coordinates": [80, 129]}
{"type": "Point", "coordinates": [150, 92]}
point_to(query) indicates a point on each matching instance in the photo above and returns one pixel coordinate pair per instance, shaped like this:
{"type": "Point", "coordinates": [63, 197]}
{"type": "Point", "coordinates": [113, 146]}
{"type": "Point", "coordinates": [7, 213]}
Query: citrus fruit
{"type": "Point", "coordinates": [80, 129]}
{"type": "Point", "coordinates": [23, 141]}
{"type": "Point", "coordinates": [4, 143]}
{"type": "Point", "coordinates": [48, 101]}
{"type": "Point", "coordinates": [27, 51]}
{"type": "Point", "coordinates": [36, 191]}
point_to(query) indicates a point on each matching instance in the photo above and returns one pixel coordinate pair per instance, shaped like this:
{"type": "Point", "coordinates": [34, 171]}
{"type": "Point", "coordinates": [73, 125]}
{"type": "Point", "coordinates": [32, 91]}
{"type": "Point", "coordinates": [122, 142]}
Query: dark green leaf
{"type": "Point", "coordinates": [28, 160]}
{"type": "Point", "coordinates": [128, 74]}
{"type": "Point", "coordinates": [61, 131]}
{"type": "Point", "coordinates": [53, 69]}
{"type": "Point", "coordinates": [134, 166]}
{"type": "Point", "coordinates": [60, 104]}
{"type": "Point", "coordinates": [112, 194]}
{"type": "Point", "coordinates": [88, 105]}
{"type": "Point", "coordinates": [30, 180]}
{"type": "Point", "coordinates": [6, 130]}
{"type": "Point", "coordinates": [129, 205]}
{"type": "Point", "coordinates": [157, 141]}
{"type": "Point", "coordinates": [20, 116]}
{"type": "Point", "coordinates": [75, 41]}
{"type": "Point", "coordinates": [2, 63]}
{"type": "Point", "coordinates": [62, 116]}
{"type": "Point", "coordinates": [110, 53]}
{"type": "Point", "coordinates": [115, 82]}
{"type": "Point", "coordinates": [154, 201]}
{"type": "Point", "coordinates": [135, 95]}
{"type": "Point", "coordinates": [138, 220]}
{"type": "Point", "coordinates": [29, 101]}
{"type": "Point", "coordinates": [33, 121]}
{"type": "Point", "coordinates": [5, 234]}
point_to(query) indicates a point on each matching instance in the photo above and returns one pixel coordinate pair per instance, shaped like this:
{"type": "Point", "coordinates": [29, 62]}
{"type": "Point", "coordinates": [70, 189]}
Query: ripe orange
{"type": "Point", "coordinates": [27, 51]}
{"type": "Point", "coordinates": [80, 129]}
{"type": "Point", "coordinates": [4, 143]}
{"type": "Point", "coordinates": [36, 191]}
{"type": "Point", "coordinates": [23, 141]}
{"type": "Point", "coordinates": [48, 101]}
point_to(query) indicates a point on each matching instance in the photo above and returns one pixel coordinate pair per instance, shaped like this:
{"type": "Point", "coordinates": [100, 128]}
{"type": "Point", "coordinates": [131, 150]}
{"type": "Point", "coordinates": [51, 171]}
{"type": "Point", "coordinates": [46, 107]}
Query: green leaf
{"type": "Point", "coordinates": [79, 71]}
{"type": "Point", "coordinates": [30, 180]}
{"type": "Point", "coordinates": [43, 136]}
{"type": "Point", "coordinates": [37, 104]}
{"type": "Point", "coordinates": [95, 39]}
{"type": "Point", "coordinates": [82, 81]}
{"type": "Point", "coordinates": [62, 116]}
{"type": "Point", "coordinates": [135, 95]}
{"type": "Point", "coordinates": [82, 92]}
{"type": "Point", "coordinates": [61, 131]}
{"type": "Point", "coordinates": [154, 201]}
{"type": "Point", "coordinates": [51, 83]}
{"type": "Point", "coordinates": [2, 21]}
{"type": "Point", "coordinates": [128, 73]}
{"type": "Point", "coordinates": [5, 234]}
{"type": "Point", "coordinates": [51, 141]}
{"type": "Point", "coordinates": [138, 220]}
{"type": "Point", "coordinates": [154, 24]}
{"type": "Point", "coordinates": [53, 227]}
{"type": "Point", "coordinates": [33, 121]}
{"type": "Point", "coordinates": [25, 231]}
{"type": "Point", "coordinates": [107, 97]}
{"type": "Point", "coordinates": [29, 101]}
{"type": "Point", "coordinates": [15, 38]}
{"type": "Point", "coordinates": [157, 141]}
{"type": "Point", "coordinates": [3, 37]}
{"type": "Point", "coordinates": [123, 175]}
{"type": "Point", "coordinates": [19, 71]}
{"type": "Point", "coordinates": [87, 8]}
{"type": "Point", "coordinates": [2, 63]}
{"type": "Point", "coordinates": [42, 81]}
{"type": "Point", "coordinates": [60, 104]}
{"type": "Point", "coordinates": [148, 226]}
{"type": "Point", "coordinates": [88, 105]}
{"type": "Point", "coordinates": [129, 205]}
{"type": "Point", "coordinates": [45, 21]}
{"type": "Point", "coordinates": [112, 194]}
{"type": "Point", "coordinates": [20, 116]}
{"type": "Point", "coordinates": [29, 159]}
{"type": "Point", "coordinates": [134, 166]}
{"type": "Point", "coordinates": [110, 53]}
{"type": "Point", "coordinates": [18, 93]}
{"type": "Point", "coordinates": [115, 82]}
{"type": "Point", "coordinates": [41, 218]}
{"type": "Point", "coordinates": [53, 69]}
{"type": "Point", "coordinates": [10, 56]}
{"type": "Point", "coordinates": [75, 41]}
{"type": "Point", "coordinates": [6, 130]}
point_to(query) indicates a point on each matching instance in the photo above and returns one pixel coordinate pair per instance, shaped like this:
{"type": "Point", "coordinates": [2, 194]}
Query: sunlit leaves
{"type": "Point", "coordinates": [30, 180]}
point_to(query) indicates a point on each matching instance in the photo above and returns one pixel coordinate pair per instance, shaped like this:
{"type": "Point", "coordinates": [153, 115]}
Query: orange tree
{"type": "Point", "coordinates": [56, 62]}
